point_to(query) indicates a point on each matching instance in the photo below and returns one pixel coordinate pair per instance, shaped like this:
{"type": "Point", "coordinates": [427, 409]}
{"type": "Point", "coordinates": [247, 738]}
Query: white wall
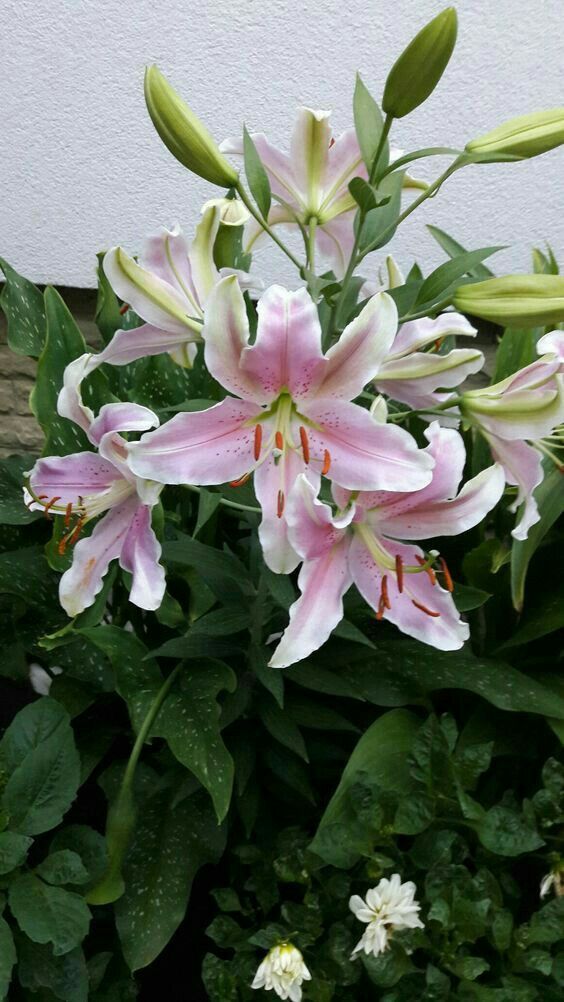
{"type": "Point", "coordinates": [82, 168]}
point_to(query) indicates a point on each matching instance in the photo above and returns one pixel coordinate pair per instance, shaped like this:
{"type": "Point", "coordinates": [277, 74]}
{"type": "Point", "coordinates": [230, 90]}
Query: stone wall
{"type": "Point", "coordinates": [19, 431]}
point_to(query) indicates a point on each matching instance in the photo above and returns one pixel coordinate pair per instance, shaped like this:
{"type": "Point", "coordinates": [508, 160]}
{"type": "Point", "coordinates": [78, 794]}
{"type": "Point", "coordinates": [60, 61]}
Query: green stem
{"type": "Point", "coordinates": [435, 308]}
{"type": "Point", "coordinates": [311, 243]}
{"type": "Point", "coordinates": [122, 813]}
{"type": "Point", "coordinates": [428, 193]}
{"type": "Point", "coordinates": [225, 501]}
{"type": "Point", "coordinates": [267, 229]}
{"type": "Point", "coordinates": [381, 143]}
{"type": "Point", "coordinates": [439, 409]}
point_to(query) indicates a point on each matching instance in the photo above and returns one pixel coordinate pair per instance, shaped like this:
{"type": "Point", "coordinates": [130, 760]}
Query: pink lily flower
{"type": "Point", "coordinates": [418, 377]}
{"type": "Point", "coordinates": [312, 181]}
{"type": "Point", "coordinates": [82, 486]}
{"type": "Point", "coordinates": [290, 410]}
{"type": "Point", "coordinates": [365, 544]}
{"type": "Point", "coordinates": [168, 288]}
{"type": "Point", "coordinates": [515, 416]}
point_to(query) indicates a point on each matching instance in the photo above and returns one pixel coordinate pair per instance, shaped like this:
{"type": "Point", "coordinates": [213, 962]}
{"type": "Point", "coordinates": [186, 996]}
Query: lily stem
{"type": "Point", "coordinates": [225, 501]}
{"type": "Point", "coordinates": [267, 229]}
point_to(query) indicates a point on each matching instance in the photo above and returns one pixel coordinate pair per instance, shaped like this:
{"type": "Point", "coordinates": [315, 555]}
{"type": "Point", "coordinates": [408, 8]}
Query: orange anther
{"type": "Point", "coordinates": [305, 443]}
{"type": "Point", "coordinates": [123, 309]}
{"type": "Point", "coordinates": [428, 612]}
{"type": "Point", "coordinates": [281, 503]}
{"type": "Point", "coordinates": [384, 592]}
{"type": "Point", "coordinates": [50, 504]}
{"type": "Point", "coordinates": [381, 607]}
{"type": "Point", "coordinates": [68, 514]}
{"type": "Point", "coordinates": [62, 545]}
{"type": "Point", "coordinates": [76, 532]}
{"type": "Point", "coordinates": [428, 570]}
{"type": "Point", "coordinates": [279, 439]}
{"type": "Point", "coordinates": [242, 480]}
{"type": "Point", "coordinates": [448, 580]}
{"type": "Point", "coordinates": [258, 440]}
{"type": "Point", "coordinates": [399, 572]}
{"type": "Point", "coordinates": [326, 463]}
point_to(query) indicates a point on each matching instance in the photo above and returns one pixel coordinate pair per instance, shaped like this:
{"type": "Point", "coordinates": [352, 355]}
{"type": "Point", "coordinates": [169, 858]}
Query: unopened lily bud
{"type": "Point", "coordinates": [525, 136]}
{"type": "Point", "coordinates": [182, 132]}
{"type": "Point", "coordinates": [232, 212]}
{"type": "Point", "coordinates": [514, 300]}
{"type": "Point", "coordinates": [416, 73]}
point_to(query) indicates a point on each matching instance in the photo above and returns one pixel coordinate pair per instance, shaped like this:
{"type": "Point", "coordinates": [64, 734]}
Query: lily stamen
{"type": "Point", "coordinates": [384, 595]}
{"type": "Point", "coordinates": [427, 568]}
{"type": "Point", "coordinates": [305, 444]}
{"type": "Point", "coordinates": [50, 505]}
{"type": "Point", "coordinates": [423, 608]}
{"type": "Point", "coordinates": [242, 480]}
{"type": "Point", "coordinates": [258, 441]}
{"type": "Point", "coordinates": [449, 583]}
{"type": "Point", "coordinates": [399, 572]}
{"type": "Point", "coordinates": [279, 440]}
{"type": "Point", "coordinates": [281, 503]}
{"type": "Point", "coordinates": [68, 513]}
{"type": "Point", "coordinates": [381, 608]}
{"type": "Point", "coordinates": [326, 463]}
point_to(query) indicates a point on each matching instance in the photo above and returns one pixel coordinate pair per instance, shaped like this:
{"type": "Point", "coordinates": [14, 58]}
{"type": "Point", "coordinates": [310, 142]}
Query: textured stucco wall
{"type": "Point", "coordinates": [81, 167]}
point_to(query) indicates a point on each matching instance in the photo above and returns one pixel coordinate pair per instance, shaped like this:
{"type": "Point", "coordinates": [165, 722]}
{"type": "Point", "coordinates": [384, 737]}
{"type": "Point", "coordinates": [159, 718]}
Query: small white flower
{"type": "Point", "coordinates": [554, 879]}
{"type": "Point", "coordinates": [283, 969]}
{"type": "Point", "coordinates": [389, 906]}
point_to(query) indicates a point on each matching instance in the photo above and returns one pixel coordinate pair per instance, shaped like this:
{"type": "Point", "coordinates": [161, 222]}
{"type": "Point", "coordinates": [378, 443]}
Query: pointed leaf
{"type": "Point", "coordinates": [257, 177]}
{"type": "Point", "coordinates": [22, 303]}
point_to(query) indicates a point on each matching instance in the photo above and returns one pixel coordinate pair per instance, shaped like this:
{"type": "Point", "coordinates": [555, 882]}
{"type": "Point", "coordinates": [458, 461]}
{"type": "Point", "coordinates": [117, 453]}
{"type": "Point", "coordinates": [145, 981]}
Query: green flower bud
{"type": "Point", "coordinates": [514, 300]}
{"type": "Point", "coordinates": [525, 136]}
{"type": "Point", "coordinates": [182, 132]}
{"type": "Point", "coordinates": [421, 65]}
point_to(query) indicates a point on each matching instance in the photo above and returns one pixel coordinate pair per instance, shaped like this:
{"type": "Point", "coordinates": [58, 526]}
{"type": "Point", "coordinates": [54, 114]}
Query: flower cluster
{"type": "Point", "coordinates": [344, 490]}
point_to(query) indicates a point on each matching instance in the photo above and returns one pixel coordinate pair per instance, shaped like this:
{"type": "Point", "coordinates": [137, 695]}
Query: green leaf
{"type": "Point", "coordinates": [281, 726]}
{"type": "Point", "coordinates": [547, 925]}
{"type": "Point", "coordinates": [507, 833]}
{"type": "Point", "coordinates": [364, 194]}
{"type": "Point", "coordinates": [63, 867]}
{"type": "Point", "coordinates": [38, 751]}
{"type": "Point", "coordinates": [448, 275]}
{"type": "Point", "coordinates": [22, 304]}
{"type": "Point", "coordinates": [189, 720]}
{"type": "Point", "coordinates": [382, 752]}
{"type": "Point", "coordinates": [13, 850]}
{"type": "Point", "coordinates": [65, 977]}
{"type": "Point", "coordinates": [7, 957]}
{"type": "Point", "coordinates": [49, 914]}
{"type": "Point", "coordinates": [368, 123]}
{"type": "Point", "coordinates": [157, 887]}
{"type": "Point", "coordinates": [108, 316]}
{"type": "Point", "coordinates": [550, 499]}
{"type": "Point", "coordinates": [25, 573]}
{"type": "Point", "coordinates": [138, 678]}
{"type": "Point", "coordinates": [227, 576]}
{"type": "Point", "coordinates": [12, 508]}
{"type": "Point", "coordinates": [453, 249]}
{"type": "Point", "coordinates": [426, 670]}
{"type": "Point", "coordinates": [469, 968]}
{"type": "Point", "coordinates": [516, 349]}
{"type": "Point", "coordinates": [378, 220]}
{"type": "Point", "coordinates": [208, 503]}
{"type": "Point", "coordinates": [546, 617]}
{"type": "Point", "coordinates": [257, 177]}
{"type": "Point", "coordinates": [63, 344]}
{"type": "Point", "coordinates": [467, 598]}
{"type": "Point", "coordinates": [85, 843]}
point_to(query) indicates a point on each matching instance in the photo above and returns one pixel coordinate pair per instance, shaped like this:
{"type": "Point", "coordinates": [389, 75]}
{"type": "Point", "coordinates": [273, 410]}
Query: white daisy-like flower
{"type": "Point", "coordinates": [283, 970]}
{"type": "Point", "coordinates": [388, 907]}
